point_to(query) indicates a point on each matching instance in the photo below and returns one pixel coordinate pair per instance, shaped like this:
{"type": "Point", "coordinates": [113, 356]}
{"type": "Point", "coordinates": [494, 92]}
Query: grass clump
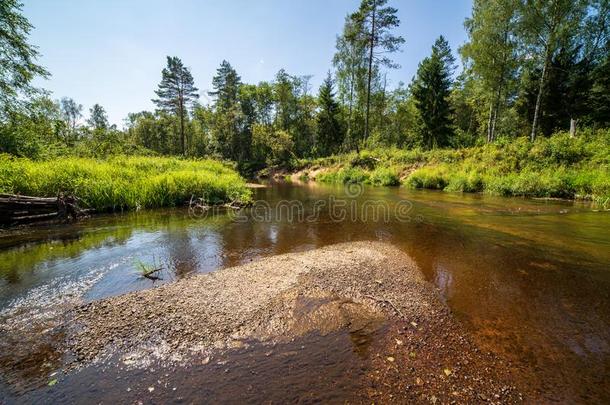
{"type": "Point", "coordinates": [124, 183]}
{"type": "Point", "coordinates": [558, 166]}
{"type": "Point", "coordinates": [385, 176]}
{"type": "Point", "coordinates": [344, 175]}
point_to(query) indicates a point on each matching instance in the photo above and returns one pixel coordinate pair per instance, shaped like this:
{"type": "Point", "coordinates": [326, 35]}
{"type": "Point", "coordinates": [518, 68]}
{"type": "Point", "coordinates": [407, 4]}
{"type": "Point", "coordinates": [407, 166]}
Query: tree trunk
{"type": "Point", "coordinates": [368, 90]}
{"type": "Point", "coordinates": [382, 113]}
{"type": "Point", "coordinates": [351, 103]}
{"type": "Point", "coordinates": [496, 112]}
{"type": "Point", "coordinates": [573, 123]}
{"type": "Point", "coordinates": [489, 122]}
{"type": "Point", "coordinates": [498, 95]}
{"type": "Point", "coordinates": [539, 97]}
{"type": "Point", "coordinates": [181, 109]}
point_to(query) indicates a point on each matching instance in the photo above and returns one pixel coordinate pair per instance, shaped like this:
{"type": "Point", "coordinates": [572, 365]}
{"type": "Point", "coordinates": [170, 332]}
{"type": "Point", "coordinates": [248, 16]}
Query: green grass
{"type": "Point", "coordinates": [558, 166]}
{"type": "Point", "coordinates": [124, 183]}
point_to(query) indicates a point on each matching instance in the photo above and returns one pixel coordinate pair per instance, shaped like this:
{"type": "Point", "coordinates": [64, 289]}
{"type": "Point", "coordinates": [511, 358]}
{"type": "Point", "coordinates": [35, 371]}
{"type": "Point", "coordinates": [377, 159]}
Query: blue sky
{"type": "Point", "coordinates": [112, 51]}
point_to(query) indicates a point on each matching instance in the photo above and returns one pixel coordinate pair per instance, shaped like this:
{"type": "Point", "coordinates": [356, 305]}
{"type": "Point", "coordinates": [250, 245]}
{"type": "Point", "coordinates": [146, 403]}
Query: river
{"type": "Point", "coordinates": [530, 279]}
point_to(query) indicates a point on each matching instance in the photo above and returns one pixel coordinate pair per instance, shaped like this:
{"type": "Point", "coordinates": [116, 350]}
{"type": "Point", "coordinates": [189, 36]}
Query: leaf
{"type": "Point", "coordinates": [447, 372]}
{"type": "Point", "coordinates": [390, 359]}
{"type": "Point", "coordinates": [52, 382]}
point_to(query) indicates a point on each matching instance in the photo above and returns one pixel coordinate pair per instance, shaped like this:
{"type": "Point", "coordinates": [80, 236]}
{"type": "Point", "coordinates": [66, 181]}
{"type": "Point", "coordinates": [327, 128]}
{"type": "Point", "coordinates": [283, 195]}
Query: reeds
{"type": "Point", "coordinates": [124, 183]}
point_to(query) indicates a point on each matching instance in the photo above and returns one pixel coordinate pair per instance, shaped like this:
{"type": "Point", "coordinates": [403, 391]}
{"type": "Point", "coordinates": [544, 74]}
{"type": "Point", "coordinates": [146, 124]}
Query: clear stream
{"type": "Point", "coordinates": [529, 278]}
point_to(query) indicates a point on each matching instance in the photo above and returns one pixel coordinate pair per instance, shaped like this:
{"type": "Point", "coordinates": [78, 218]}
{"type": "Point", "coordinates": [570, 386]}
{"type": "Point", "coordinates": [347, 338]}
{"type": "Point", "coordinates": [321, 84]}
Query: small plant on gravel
{"type": "Point", "coordinates": [149, 271]}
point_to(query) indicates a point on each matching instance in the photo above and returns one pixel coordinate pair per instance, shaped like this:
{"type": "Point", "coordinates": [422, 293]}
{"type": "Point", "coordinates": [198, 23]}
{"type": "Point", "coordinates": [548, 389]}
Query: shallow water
{"type": "Point", "coordinates": [530, 279]}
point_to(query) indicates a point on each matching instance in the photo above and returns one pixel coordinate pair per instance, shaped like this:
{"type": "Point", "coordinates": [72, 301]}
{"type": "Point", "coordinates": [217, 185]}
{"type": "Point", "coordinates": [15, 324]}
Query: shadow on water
{"type": "Point", "coordinates": [312, 369]}
{"type": "Point", "coordinates": [531, 279]}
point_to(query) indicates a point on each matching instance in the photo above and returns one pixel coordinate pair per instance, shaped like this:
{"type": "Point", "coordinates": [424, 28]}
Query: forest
{"type": "Point", "coordinates": [531, 70]}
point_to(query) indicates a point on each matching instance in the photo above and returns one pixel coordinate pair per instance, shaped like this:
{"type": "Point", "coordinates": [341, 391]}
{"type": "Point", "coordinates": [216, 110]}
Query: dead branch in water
{"type": "Point", "coordinates": [149, 274]}
{"type": "Point", "coordinates": [148, 271]}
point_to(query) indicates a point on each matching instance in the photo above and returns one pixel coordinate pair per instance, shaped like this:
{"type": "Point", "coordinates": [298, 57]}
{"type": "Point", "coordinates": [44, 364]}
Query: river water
{"type": "Point", "coordinates": [530, 279]}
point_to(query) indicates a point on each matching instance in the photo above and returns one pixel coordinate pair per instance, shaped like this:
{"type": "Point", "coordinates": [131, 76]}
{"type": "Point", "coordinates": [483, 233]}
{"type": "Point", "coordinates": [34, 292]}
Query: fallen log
{"type": "Point", "coordinates": [16, 209]}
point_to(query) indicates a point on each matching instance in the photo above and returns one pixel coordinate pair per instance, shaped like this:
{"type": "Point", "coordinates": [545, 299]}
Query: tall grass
{"type": "Point", "coordinates": [123, 182]}
{"type": "Point", "coordinates": [558, 166]}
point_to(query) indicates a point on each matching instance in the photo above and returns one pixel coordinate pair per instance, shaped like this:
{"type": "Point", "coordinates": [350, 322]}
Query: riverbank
{"type": "Point", "coordinates": [354, 321]}
{"type": "Point", "coordinates": [124, 182]}
{"type": "Point", "coordinates": [555, 167]}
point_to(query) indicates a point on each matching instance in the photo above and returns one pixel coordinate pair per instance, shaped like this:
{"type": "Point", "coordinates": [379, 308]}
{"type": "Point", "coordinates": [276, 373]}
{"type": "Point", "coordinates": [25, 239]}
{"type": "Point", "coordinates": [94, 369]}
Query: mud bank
{"type": "Point", "coordinates": [407, 344]}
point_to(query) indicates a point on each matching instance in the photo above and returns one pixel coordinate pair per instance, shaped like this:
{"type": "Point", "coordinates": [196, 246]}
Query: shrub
{"type": "Point", "coordinates": [429, 177]}
{"type": "Point", "coordinates": [465, 182]}
{"type": "Point", "coordinates": [558, 166]}
{"type": "Point", "coordinates": [384, 176]}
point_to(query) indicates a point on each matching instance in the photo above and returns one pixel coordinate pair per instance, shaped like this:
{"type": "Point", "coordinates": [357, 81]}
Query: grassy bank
{"type": "Point", "coordinates": [123, 182]}
{"type": "Point", "coordinates": [558, 166]}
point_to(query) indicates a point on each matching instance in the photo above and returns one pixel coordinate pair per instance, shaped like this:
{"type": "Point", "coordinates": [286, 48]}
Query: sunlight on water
{"type": "Point", "coordinates": [531, 279]}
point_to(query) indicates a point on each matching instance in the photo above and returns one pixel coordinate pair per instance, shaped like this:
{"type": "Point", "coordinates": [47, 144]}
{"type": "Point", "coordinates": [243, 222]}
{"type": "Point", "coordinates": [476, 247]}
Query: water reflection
{"type": "Point", "coordinates": [530, 278]}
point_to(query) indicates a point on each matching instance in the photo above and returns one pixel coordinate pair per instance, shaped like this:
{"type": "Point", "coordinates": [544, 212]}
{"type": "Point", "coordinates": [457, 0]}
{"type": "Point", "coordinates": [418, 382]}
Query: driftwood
{"type": "Point", "coordinates": [150, 274]}
{"type": "Point", "coordinates": [16, 209]}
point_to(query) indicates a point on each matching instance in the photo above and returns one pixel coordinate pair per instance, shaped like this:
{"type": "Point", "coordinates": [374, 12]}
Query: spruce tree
{"type": "Point", "coordinates": [329, 130]}
{"type": "Point", "coordinates": [228, 117]}
{"type": "Point", "coordinates": [431, 89]}
{"type": "Point", "coordinates": [176, 93]}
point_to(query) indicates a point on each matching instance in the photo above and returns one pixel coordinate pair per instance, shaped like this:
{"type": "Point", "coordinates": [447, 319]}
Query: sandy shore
{"type": "Point", "coordinates": [420, 354]}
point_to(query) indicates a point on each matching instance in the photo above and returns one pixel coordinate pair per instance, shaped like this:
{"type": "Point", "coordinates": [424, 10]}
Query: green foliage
{"type": "Point", "coordinates": [492, 61]}
{"type": "Point", "coordinates": [33, 131]}
{"type": "Point", "coordinates": [375, 21]}
{"type": "Point", "coordinates": [98, 120]}
{"type": "Point", "coordinates": [124, 182]}
{"type": "Point", "coordinates": [559, 166]}
{"type": "Point", "coordinates": [272, 146]}
{"type": "Point", "coordinates": [330, 132]}
{"type": "Point", "coordinates": [17, 57]}
{"type": "Point", "coordinates": [431, 90]}
{"type": "Point", "coordinates": [384, 176]}
{"type": "Point", "coordinates": [176, 92]}
{"type": "Point", "coordinates": [435, 177]}
{"type": "Point", "coordinates": [523, 59]}
{"type": "Point", "coordinates": [345, 176]}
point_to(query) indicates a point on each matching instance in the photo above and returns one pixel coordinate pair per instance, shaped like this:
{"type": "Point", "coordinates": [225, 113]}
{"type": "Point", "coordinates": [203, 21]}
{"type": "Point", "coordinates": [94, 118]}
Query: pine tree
{"type": "Point", "coordinates": [226, 86]}
{"type": "Point", "coordinates": [329, 131]}
{"type": "Point", "coordinates": [377, 20]}
{"type": "Point", "coordinates": [176, 93]}
{"type": "Point", "coordinates": [431, 90]}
